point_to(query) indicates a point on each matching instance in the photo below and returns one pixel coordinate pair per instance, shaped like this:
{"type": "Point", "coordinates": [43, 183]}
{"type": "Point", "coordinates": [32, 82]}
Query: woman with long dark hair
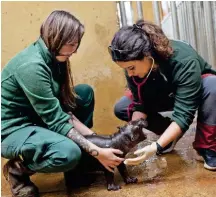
{"type": "Point", "coordinates": [43, 116]}
{"type": "Point", "coordinates": [165, 75]}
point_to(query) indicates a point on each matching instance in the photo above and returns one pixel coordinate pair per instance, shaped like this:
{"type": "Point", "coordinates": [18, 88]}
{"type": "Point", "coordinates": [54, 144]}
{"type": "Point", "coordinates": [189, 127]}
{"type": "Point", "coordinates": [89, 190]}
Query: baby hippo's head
{"type": "Point", "coordinates": [133, 132]}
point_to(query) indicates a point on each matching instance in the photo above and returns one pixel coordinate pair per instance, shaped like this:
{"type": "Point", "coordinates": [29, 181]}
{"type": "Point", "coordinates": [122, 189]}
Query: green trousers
{"type": "Point", "coordinates": [46, 151]}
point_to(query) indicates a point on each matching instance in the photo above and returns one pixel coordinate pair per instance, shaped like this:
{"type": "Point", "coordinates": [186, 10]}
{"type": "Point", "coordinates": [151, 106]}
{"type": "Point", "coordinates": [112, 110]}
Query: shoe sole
{"type": "Point", "coordinates": [206, 166]}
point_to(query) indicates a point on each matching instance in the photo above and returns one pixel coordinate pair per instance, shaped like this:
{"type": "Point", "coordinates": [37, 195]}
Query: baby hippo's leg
{"type": "Point", "coordinates": [111, 186]}
{"type": "Point", "coordinates": [124, 173]}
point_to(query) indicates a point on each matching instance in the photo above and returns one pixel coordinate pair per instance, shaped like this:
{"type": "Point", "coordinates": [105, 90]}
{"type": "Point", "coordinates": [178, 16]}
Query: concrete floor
{"type": "Point", "coordinates": [177, 174]}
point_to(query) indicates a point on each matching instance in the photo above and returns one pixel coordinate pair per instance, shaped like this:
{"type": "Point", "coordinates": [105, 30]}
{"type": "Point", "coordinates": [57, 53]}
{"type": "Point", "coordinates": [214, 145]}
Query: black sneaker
{"type": "Point", "coordinates": [209, 157]}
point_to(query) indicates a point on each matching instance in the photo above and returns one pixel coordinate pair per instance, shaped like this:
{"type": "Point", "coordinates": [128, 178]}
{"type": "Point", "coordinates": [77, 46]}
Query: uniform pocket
{"type": "Point", "coordinates": [11, 145]}
{"type": "Point", "coordinates": [7, 151]}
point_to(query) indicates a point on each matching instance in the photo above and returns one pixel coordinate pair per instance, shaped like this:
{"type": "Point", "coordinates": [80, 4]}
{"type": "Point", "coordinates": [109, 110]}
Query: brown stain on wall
{"type": "Point", "coordinates": [92, 64]}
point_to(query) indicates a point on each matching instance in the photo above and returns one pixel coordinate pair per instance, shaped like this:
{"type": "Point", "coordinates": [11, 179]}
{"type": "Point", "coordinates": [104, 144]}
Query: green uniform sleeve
{"type": "Point", "coordinates": [188, 94]}
{"type": "Point", "coordinates": [35, 81]}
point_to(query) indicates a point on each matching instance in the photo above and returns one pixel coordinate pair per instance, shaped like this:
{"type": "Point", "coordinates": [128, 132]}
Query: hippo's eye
{"type": "Point", "coordinates": [134, 137]}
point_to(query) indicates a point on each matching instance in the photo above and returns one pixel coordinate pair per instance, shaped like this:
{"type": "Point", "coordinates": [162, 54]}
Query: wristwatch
{"type": "Point", "coordinates": [159, 149]}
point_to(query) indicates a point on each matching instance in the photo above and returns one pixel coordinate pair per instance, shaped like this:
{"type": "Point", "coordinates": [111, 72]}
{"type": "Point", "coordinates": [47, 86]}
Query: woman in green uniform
{"type": "Point", "coordinates": [43, 116]}
{"type": "Point", "coordinates": [164, 75]}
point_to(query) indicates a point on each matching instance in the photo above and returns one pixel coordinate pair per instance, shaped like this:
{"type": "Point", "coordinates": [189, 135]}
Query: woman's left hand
{"type": "Point", "coordinates": [147, 151]}
{"type": "Point", "coordinates": [108, 158]}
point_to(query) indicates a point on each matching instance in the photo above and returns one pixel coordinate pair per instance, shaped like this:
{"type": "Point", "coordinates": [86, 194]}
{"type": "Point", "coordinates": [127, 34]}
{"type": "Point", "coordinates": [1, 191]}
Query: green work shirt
{"type": "Point", "coordinates": [29, 92]}
{"type": "Point", "coordinates": [180, 76]}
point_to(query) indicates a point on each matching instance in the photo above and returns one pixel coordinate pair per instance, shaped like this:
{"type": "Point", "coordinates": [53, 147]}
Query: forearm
{"type": "Point", "coordinates": [170, 134]}
{"type": "Point", "coordinates": [90, 148]}
{"type": "Point", "coordinates": [79, 126]}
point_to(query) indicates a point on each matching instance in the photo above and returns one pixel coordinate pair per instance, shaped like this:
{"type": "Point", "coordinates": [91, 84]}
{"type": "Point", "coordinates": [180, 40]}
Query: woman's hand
{"type": "Point", "coordinates": [107, 157]}
{"type": "Point", "coordinates": [147, 151]}
{"type": "Point", "coordinates": [138, 115]}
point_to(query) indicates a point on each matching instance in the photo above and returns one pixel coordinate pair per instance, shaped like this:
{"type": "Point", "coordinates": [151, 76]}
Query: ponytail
{"type": "Point", "coordinates": [138, 41]}
{"type": "Point", "coordinates": [158, 39]}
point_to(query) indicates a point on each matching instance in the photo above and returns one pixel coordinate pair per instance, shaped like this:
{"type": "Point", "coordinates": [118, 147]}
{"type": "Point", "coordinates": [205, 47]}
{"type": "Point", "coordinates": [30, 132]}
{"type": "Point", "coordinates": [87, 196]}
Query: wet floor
{"type": "Point", "coordinates": [177, 174]}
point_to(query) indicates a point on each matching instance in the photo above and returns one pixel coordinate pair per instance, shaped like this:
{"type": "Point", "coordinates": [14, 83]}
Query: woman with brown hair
{"type": "Point", "coordinates": [43, 116]}
{"type": "Point", "coordinates": [165, 75]}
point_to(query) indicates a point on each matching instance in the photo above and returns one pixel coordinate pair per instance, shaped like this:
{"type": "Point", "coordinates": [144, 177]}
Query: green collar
{"type": "Point", "coordinates": [47, 56]}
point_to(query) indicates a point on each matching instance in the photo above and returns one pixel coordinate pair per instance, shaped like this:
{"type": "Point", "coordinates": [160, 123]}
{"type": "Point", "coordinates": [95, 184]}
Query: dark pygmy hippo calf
{"type": "Point", "coordinates": [125, 139]}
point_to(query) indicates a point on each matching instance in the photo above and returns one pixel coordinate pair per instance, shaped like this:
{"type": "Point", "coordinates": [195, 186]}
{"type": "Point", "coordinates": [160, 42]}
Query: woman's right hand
{"type": "Point", "coordinates": [107, 157]}
{"type": "Point", "coordinates": [147, 152]}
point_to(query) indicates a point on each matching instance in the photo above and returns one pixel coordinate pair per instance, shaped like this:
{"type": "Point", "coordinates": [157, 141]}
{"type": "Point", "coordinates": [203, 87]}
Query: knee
{"type": "Point", "coordinates": [209, 86]}
{"type": "Point", "coordinates": [209, 93]}
{"type": "Point", "coordinates": [212, 92]}
{"type": "Point", "coordinates": [66, 157]}
{"type": "Point", "coordinates": [73, 156]}
{"type": "Point", "coordinates": [118, 110]}
{"type": "Point", "coordinates": [85, 93]}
